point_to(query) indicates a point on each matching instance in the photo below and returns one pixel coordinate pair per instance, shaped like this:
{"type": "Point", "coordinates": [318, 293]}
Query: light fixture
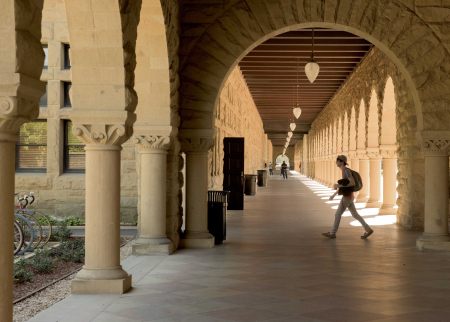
{"type": "Point", "coordinates": [297, 109]}
{"type": "Point", "coordinates": [290, 134]}
{"type": "Point", "coordinates": [292, 126]}
{"type": "Point", "coordinates": [312, 68]}
{"type": "Point", "coordinates": [288, 139]}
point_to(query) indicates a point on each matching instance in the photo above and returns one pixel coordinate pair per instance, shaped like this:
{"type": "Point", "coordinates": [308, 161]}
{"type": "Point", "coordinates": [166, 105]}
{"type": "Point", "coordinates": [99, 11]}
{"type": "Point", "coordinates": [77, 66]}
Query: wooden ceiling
{"type": "Point", "coordinates": [270, 71]}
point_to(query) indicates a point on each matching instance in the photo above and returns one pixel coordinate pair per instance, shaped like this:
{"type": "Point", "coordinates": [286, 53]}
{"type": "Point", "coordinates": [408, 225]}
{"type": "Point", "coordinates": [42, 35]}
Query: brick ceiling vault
{"type": "Point", "coordinates": [270, 71]}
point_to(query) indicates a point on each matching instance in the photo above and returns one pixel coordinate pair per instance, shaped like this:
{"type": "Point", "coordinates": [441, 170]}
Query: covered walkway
{"type": "Point", "coordinates": [276, 267]}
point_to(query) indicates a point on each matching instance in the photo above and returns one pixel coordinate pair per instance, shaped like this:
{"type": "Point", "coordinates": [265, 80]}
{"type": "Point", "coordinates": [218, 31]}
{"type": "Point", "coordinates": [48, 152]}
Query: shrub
{"type": "Point", "coordinates": [21, 271]}
{"type": "Point", "coordinates": [44, 222]}
{"type": "Point", "coordinates": [70, 251]}
{"type": "Point", "coordinates": [63, 233]}
{"type": "Point", "coordinates": [75, 221]}
{"type": "Point", "coordinates": [43, 262]}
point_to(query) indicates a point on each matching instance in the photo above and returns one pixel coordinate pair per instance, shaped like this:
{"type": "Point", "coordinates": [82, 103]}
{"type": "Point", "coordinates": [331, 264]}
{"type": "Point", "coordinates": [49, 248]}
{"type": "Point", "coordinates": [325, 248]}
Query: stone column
{"type": "Point", "coordinates": [196, 234]}
{"type": "Point", "coordinates": [364, 173]}
{"type": "Point", "coordinates": [389, 155]}
{"type": "Point", "coordinates": [375, 179]}
{"type": "Point", "coordinates": [354, 165]}
{"type": "Point", "coordinates": [152, 238]}
{"type": "Point", "coordinates": [435, 236]}
{"type": "Point", "coordinates": [102, 272]}
{"type": "Point", "coordinates": [332, 166]}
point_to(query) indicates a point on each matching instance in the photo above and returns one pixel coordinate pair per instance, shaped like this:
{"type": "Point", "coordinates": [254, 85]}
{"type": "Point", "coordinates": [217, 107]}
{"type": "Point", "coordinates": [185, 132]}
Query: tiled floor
{"type": "Point", "coordinates": [276, 267]}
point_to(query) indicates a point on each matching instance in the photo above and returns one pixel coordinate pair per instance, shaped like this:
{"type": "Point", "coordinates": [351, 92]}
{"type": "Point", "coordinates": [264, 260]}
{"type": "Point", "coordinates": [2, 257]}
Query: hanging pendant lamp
{"type": "Point", "coordinates": [312, 68]}
{"type": "Point", "coordinates": [297, 110]}
{"type": "Point", "coordinates": [292, 126]}
{"type": "Point", "coordinates": [290, 134]}
{"type": "Point", "coordinates": [288, 139]}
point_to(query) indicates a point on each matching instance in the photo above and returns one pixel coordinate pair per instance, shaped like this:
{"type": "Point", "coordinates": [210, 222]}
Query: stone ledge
{"type": "Point", "coordinates": [433, 246]}
{"type": "Point", "coordinates": [119, 286]}
{"type": "Point", "coordinates": [196, 243]}
{"type": "Point", "coordinates": [152, 249]}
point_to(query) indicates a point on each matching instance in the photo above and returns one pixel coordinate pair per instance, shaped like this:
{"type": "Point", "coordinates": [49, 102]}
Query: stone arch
{"type": "Point", "coordinates": [345, 135]}
{"type": "Point", "coordinates": [339, 136]}
{"type": "Point", "coordinates": [245, 24]}
{"type": "Point", "coordinates": [388, 116]}
{"type": "Point", "coordinates": [353, 134]}
{"type": "Point", "coordinates": [361, 127]}
{"type": "Point", "coordinates": [372, 123]}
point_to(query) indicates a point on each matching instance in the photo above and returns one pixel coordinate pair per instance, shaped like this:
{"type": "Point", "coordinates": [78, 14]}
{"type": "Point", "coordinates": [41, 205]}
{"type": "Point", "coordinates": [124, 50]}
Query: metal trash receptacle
{"type": "Point", "coordinates": [217, 215]}
{"type": "Point", "coordinates": [250, 184]}
{"type": "Point", "coordinates": [262, 178]}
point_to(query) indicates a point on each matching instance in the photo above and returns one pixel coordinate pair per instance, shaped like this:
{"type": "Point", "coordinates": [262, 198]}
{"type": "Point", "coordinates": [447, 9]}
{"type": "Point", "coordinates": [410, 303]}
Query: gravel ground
{"type": "Point", "coordinates": [25, 310]}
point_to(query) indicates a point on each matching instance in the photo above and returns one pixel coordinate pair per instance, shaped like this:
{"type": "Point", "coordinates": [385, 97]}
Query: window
{"type": "Point", "coordinates": [67, 102]}
{"type": "Point", "coordinates": [43, 101]}
{"type": "Point", "coordinates": [67, 63]}
{"type": "Point", "coordinates": [45, 47]}
{"type": "Point", "coordinates": [31, 150]}
{"type": "Point", "coordinates": [74, 154]}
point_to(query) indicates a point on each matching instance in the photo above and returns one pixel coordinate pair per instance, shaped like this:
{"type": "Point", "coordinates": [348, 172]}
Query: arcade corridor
{"type": "Point", "coordinates": [276, 267]}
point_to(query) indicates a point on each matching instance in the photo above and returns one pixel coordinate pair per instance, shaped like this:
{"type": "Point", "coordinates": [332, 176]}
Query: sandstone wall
{"type": "Point", "coordinates": [298, 154]}
{"type": "Point", "coordinates": [237, 116]}
{"type": "Point", "coordinates": [372, 75]}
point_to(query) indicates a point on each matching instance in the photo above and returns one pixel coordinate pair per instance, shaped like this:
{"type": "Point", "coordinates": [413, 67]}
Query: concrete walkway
{"type": "Point", "coordinates": [276, 267]}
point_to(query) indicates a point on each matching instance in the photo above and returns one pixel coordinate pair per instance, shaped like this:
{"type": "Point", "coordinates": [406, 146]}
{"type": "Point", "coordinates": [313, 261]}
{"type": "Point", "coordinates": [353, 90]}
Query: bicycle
{"type": "Point", "coordinates": [27, 233]}
{"type": "Point", "coordinates": [18, 237]}
{"type": "Point", "coordinates": [41, 218]}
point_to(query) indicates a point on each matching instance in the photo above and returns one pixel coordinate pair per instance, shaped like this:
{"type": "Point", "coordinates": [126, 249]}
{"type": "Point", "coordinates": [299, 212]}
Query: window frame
{"type": "Point", "coordinates": [66, 94]}
{"type": "Point", "coordinates": [66, 64]}
{"type": "Point", "coordinates": [18, 144]}
{"type": "Point", "coordinates": [46, 56]}
{"type": "Point", "coordinates": [66, 150]}
{"type": "Point", "coordinates": [46, 95]}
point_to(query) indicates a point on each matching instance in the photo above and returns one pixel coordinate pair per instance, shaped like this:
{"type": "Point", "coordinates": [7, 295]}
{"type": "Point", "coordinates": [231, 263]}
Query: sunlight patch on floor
{"type": "Point", "coordinates": [378, 221]}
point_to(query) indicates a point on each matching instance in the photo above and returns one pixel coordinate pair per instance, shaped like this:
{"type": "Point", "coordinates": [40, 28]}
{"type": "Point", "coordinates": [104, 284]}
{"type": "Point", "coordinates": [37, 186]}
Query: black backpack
{"type": "Point", "coordinates": [358, 181]}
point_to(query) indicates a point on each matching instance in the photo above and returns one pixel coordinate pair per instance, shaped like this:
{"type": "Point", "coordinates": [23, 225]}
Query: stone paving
{"type": "Point", "coordinates": [276, 267]}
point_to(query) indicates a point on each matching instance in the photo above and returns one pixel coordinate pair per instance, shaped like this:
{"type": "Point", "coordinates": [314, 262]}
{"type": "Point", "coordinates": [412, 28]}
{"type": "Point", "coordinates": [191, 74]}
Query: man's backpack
{"type": "Point", "coordinates": [358, 181]}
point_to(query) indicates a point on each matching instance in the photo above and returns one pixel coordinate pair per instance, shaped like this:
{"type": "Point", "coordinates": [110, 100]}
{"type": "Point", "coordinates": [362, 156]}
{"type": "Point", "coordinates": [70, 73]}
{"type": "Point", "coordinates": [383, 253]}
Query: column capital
{"type": "Point", "coordinates": [152, 142]}
{"type": "Point", "coordinates": [351, 155]}
{"type": "Point", "coordinates": [373, 153]}
{"type": "Point", "coordinates": [102, 133]}
{"type": "Point", "coordinates": [388, 151]}
{"type": "Point", "coordinates": [361, 154]}
{"type": "Point", "coordinates": [196, 144]}
{"type": "Point", "coordinates": [438, 147]}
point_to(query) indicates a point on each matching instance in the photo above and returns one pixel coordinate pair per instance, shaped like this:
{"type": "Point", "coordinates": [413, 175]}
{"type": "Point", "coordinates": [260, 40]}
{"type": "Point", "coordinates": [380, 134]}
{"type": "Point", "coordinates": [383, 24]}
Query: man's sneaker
{"type": "Point", "coordinates": [329, 235]}
{"type": "Point", "coordinates": [367, 234]}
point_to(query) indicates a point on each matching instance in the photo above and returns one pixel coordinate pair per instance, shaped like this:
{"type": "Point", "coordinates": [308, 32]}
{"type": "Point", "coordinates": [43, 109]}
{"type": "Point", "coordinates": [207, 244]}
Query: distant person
{"type": "Point", "coordinates": [347, 200]}
{"type": "Point", "coordinates": [300, 168]}
{"type": "Point", "coordinates": [265, 165]}
{"type": "Point", "coordinates": [271, 168]}
{"type": "Point", "coordinates": [284, 167]}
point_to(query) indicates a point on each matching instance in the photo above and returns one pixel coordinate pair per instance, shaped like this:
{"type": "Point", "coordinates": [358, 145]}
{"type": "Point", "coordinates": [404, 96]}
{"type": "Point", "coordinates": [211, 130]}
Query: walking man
{"type": "Point", "coordinates": [284, 170]}
{"type": "Point", "coordinates": [346, 201]}
{"type": "Point", "coordinates": [271, 168]}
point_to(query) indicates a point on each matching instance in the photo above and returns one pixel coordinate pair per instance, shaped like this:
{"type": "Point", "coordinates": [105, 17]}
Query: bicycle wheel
{"type": "Point", "coordinates": [18, 237]}
{"type": "Point", "coordinates": [28, 233]}
{"type": "Point", "coordinates": [46, 227]}
{"type": "Point", "coordinates": [37, 228]}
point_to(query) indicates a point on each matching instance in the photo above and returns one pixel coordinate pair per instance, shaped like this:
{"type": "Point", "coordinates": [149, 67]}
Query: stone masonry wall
{"type": "Point", "coordinates": [372, 75]}
{"type": "Point", "coordinates": [298, 153]}
{"type": "Point", "coordinates": [237, 116]}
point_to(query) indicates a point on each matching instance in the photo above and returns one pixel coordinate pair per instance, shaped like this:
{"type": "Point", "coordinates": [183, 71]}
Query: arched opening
{"type": "Point", "coordinates": [280, 159]}
{"type": "Point", "coordinates": [353, 135]}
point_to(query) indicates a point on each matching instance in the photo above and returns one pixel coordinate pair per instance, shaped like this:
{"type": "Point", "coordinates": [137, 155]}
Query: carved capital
{"type": "Point", "coordinates": [388, 151]}
{"type": "Point", "coordinates": [101, 134]}
{"type": "Point", "coordinates": [152, 142]}
{"type": "Point", "coordinates": [15, 111]}
{"type": "Point", "coordinates": [196, 144]}
{"type": "Point", "coordinates": [373, 154]}
{"type": "Point", "coordinates": [361, 154]}
{"type": "Point", "coordinates": [352, 155]}
{"type": "Point", "coordinates": [435, 146]}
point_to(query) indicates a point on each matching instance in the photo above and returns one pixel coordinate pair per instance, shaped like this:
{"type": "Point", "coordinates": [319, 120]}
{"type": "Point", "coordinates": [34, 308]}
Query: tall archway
{"type": "Point", "coordinates": [373, 152]}
{"type": "Point", "coordinates": [362, 153]}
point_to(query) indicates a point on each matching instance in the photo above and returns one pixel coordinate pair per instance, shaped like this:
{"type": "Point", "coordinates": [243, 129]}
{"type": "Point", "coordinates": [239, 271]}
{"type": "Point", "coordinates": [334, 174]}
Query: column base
{"type": "Point", "coordinates": [196, 242]}
{"type": "Point", "coordinates": [388, 210]}
{"type": "Point", "coordinates": [373, 204]}
{"type": "Point", "coordinates": [149, 247]}
{"type": "Point", "coordinates": [433, 246]}
{"type": "Point", "coordinates": [361, 198]}
{"type": "Point", "coordinates": [119, 286]}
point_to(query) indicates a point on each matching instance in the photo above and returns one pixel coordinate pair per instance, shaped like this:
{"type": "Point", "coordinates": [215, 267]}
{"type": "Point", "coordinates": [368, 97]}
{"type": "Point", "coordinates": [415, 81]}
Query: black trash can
{"type": "Point", "coordinates": [250, 184]}
{"type": "Point", "coordinates": [262, 178]}
{"type": "Point", "coordinates": [217, 215]}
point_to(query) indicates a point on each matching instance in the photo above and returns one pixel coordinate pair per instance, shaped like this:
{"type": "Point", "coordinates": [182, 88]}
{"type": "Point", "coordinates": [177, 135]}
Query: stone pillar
{"type": "Point", "coordinates": [102, 272]}
{"type": "Point", "coordinates": [152, 238]}
{"type": "Point", "coordinates": [196, 234]}
{"type": "Point", "coordinates": [364, 173]}
{"type": "Point", "coordinates": [389, 155]}
{"type": "Point", "coordinates": [332, 166]}
{"type": "Point", "coordinates": [375, 179]}
{"type": "Point", "coordinates": [435, 236]}
{"type": "Point", "coordinates": [354, 165]}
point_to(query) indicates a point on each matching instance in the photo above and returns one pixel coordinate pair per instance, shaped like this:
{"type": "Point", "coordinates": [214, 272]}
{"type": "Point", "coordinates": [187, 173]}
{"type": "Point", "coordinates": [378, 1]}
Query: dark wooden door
{"type": "Point", "coordinates": [233, 172]}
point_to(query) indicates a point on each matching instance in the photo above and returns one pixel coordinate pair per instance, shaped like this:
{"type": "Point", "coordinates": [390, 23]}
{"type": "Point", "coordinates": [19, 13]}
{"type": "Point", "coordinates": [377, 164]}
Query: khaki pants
{"type": "Point", "coordinates": [343, 205]}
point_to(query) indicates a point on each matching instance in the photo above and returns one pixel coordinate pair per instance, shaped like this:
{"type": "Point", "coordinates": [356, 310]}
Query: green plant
{"type": "Point", "coordinates": [21, 271]}
{"type": "Point", "coordinates": [73, 250]}
{"type": "Point", "coordinates": [44, 222]}
{"type": "Point", "coordinates": [75, 221]}
{"type": "Point", "coordinates": [43, 262]}
{"type": "Point", "coordinates": [62, 233]}
{"type": "Point", "coordinates": [134, 222]}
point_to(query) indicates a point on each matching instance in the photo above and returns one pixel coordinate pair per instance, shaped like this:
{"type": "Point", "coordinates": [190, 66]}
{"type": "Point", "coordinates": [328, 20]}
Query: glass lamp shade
{"type": "Point", "coordinates": [288, 139]}
{"type": "Point", "coordinates": [292, 126]}
{"type": "Point", "coordinates": [297, 112]}
{"type": "Point", "coordinates": [290, 134]}
{"type": "Point", "coordinates": [312, 70]}
{"type": "Point", "coordinates": [286, 145]}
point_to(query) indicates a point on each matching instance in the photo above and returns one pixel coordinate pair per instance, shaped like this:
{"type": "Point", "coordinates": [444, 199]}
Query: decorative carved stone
{"type": "Point", "coordinates": [196, 144]}
{"type": "Point", "coordinates": [152, 142]}
{"type": "Point", "coordinates": [15, 111]}
{"type": "Point", "coordinates": [388, 154]}
{"type": "Point", "coordinates": [101, 134]}
{"type": "Point", "coordinates": [373, 154]}
{"type": "Point", "coordinates": [432, 146]}
{"type": "Point", "coordinates": [361, 154]}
